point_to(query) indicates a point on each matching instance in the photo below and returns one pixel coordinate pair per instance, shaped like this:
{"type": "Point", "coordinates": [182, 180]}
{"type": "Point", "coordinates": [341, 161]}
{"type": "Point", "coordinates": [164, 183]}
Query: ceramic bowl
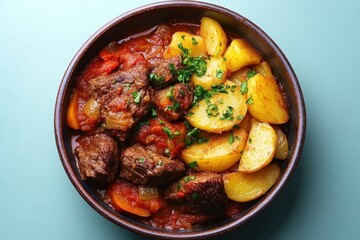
{"type": "Point", "coordinates": [183, 11]}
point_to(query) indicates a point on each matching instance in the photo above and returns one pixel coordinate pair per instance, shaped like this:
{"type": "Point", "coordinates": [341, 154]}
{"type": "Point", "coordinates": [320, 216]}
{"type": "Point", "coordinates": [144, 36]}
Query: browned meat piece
{"type": "Point", "coordinates": [201, 192]}
{"type": "Point", "coordinates": [161, 75]}
{"type": "Point", "coordinates": [174, 101]}
{"type": "Point", "coordinates": [98, 157]}
{"type": "Point", "coordinates": [142, 166]}
{"type": "Point", "coordinates": [124, 97]}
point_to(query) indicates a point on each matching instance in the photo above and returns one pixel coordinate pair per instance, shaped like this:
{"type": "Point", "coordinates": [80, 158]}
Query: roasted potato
{"type": "Point", "coordinates": [243, 187]}
{"type": "Point", "coordinates": [214, 36]}
{"type": "Point", "coordinates": [239, 76]}
{"type": "Point", "coordinates": [282, 145]}
{"type": "Point", "coordinates": [240, 54]}
{"type": "Point", "coordinates": [194, 43]}
{"type": "Point", "coordinates": [219, 153]}
{"type": "Point", "coordinates": [259, 149]}
{"type": "Point", "coordinates": [216, 72]}
{"type": "Point", "coordinates": [267, 103]}
{"type": "Point", "coordinates": [263, 68]}
{"type": "Point", "coordinates": [221, 112]}
{"type": "Point", "coordinates": [246, 123]}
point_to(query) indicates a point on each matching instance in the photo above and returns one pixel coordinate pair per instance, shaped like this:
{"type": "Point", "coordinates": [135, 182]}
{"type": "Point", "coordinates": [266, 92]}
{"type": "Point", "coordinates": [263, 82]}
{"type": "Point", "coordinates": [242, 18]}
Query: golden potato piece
{"type": "Point", "coordinates": [214, 36]}
{"type": "Point", "coordinates": [194, 43]}
{"type": "Point", "coordinates": [282, 145]}
{"type": "Point", "coordinates": [263, 68]}
{"type": "Point", "coordinates": [244, 187]}
{"type": "Point", "coordinates": [259, 149]}
{"type": "Point", "coordinates": [216, 72]}
{"type": "Point", "coordinates": [221, 112]}
{"type": "Point", "coordinates": [268, 104]}
{"type": "Point", "coordinates": [239, 76]}
{"type": "Point", "coordinates": [219, 153]}
{"type": "Point", "coordinates": [246, 123]}
{"type": "Point", "coordinates": [240, 54]}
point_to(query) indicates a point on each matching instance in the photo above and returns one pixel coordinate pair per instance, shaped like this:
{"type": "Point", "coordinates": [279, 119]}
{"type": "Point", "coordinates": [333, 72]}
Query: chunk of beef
{"type": "Point", "coordinates": [98, 157]}
{"type": "Point", "coordinates": [162, 74]}
{"type": "Point", "coordinates": [200, 192]}
{"type": "Point", "coordinates": [174, 101]}
{"type": "Point", "coordinates": [124, 97]}
{"type": "Point", "coordinates": [142, 166]}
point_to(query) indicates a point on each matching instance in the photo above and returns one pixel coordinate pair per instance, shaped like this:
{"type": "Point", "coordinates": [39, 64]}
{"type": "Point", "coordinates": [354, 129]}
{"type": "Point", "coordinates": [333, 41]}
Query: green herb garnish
{"type": "Point", "coordinates": [137, 97]}
{"type": "Point", "coordinates": [250, 100]}
{"type": "Point", "coordinates": [231, 137]}
{"type": "Point", "coordinates": [228, 114]}
{"type": "Point", "coordinates": [189, 178]}
{"type": "Point", "coordinates": [193, 165]}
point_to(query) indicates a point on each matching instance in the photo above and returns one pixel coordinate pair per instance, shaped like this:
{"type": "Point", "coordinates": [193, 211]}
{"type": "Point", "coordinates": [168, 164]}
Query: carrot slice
{"type": "Point", "coordinates": [120, 202]}
{"type": "Point", "coordinates": [72, 113]}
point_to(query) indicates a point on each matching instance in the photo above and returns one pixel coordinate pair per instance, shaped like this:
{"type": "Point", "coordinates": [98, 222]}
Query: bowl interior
{"type": "Point", "coordinates": [164, 12]}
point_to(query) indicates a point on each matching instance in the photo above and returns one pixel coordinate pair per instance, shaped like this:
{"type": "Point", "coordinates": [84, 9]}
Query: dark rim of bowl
{"type": "Point", "coordinates": [298, 144]}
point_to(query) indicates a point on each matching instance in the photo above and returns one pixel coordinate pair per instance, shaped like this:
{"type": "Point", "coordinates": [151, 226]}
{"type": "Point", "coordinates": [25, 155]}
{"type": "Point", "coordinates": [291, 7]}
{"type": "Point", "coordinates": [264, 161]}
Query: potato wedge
{"type": "Point", "coordinates": [259, 149]}
{"type": "Point", "coordinates": [72, 113]}
{"type": "Point", "coordinates": [214, 36]}
{"type": "Point", "coordinates": [244, 187]}
{"type": "Point", "coordinates": [246, 123]}
{"type": "Point", "coordinates": [216, 72]}
{"type": "Point", "coordinates": [282, 145]}
{"type": "Point", "coordinates": [263, 68]}
{"type": "Point", "coordinates": [240, 54]}
{"type": "Point", "coordinates": [268, 104]}
{"type": "Point", "coordinates": [194, 43]}
{"type": "Point", "coordinates": [239, 77]}
{"type": "Point", "coordinates": [219, 153]}
{"type": "Point", "coordinates": [221, 112]}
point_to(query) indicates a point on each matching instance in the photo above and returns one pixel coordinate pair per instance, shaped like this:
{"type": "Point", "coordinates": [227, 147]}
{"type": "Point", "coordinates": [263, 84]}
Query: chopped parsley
{"type": "Point", "coordinates": [127, 85]}
{"type": "Point", "coordinates": [167, 130]}
{"type": "Point", "coordinates": [137, 97]}
{"type": "Point", "coordinates": [212, 110]}
{"type": "Point", "coordinates": [159, 163]}
{"type": "Point", "coordinates": [250, 141]}
{"type": "Point", "coordinates": [174, 107]}
{"type": "Point", "coordinates": [250, 100]}
{"type": "Point", "coordinates": [233, 87]}
{"type": "Point", "coordinates": [228, 114]}
{"type": "Point", "coordinates": [231, 139]}
{"type": "Point", "coordinates": [219, 73]}
{"type": "Point", "coordinates": [192, 65]}
{"type": "Point", "coordinates": [141, 160]}
{"type": "Point", "coordinates": [240, 117]}
{"type": "Point", "coordinates": [161, 122]}
{"type": "Point", "coordinates": [178, 187]}
{"type": "Point", "coordinates": [170, 93]}
{"type": "Point", "coordinates": [157, 80]}
{"type": "Point", "coordinates": [250, 74]}
{"type": "Point", "coordinates": [153, 112]}
{"type": "Point", "coordinates": [189, 178]}
{"type": "Point", "coordinates": [183, 37]}
{"type": "Point", "coordinates": [195, 195]}
{"type": "Point", "coordinates": [220, 101]}
{"type": "Point", "coordinates": [243, 87]}
{"type": "Point", "coordinates": [194, 42]}
{"type": "Point", "coordinates": [193, 165]}
{"type": "Point", "coordinates": [189, 114]}
{"type": "Point", "coordinates": [200, 93]}
{"type": "Point", "coordinates": [193, 136]}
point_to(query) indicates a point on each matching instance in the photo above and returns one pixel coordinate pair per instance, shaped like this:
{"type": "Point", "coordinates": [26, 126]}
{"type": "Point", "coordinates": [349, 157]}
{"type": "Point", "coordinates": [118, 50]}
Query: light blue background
{"type": "Point", "coordinates": [38, 40]}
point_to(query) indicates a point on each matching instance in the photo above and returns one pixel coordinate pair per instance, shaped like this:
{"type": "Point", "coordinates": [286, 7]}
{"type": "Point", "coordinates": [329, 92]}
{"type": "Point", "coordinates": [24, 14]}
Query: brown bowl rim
{"type": "Point", "coordinates": [258, 207]}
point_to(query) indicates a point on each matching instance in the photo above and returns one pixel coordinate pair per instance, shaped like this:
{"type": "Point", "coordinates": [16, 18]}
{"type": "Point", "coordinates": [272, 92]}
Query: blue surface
{"type": "Point", "coordinates": [38, 40]}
